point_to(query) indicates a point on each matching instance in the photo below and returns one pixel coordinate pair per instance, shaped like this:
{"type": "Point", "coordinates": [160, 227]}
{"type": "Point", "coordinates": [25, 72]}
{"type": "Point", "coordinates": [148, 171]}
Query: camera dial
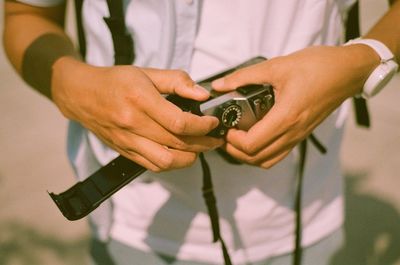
{"type": "Point", "coordinates": [231, 115]}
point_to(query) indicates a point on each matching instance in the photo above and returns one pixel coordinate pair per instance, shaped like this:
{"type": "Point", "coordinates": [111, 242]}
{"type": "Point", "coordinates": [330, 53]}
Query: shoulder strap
{"type": "Point", "coordinates": [352, 32]}
{"type": "Point", "coordinates": [81, 34]}
{"type": "Point", "coordinates": [122, 40]}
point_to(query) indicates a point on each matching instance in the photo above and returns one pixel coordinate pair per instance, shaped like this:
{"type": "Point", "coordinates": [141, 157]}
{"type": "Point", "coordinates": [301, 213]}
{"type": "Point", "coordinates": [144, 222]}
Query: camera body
{"type": "Point", "coordinates": [240, 108]}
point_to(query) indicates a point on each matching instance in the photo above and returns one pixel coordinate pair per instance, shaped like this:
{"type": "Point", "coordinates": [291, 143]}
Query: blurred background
{"type": "Point", "coordinates": [33, 160]}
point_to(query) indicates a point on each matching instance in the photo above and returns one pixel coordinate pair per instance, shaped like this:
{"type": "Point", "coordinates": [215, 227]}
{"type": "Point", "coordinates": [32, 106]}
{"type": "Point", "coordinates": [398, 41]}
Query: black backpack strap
{"type": "Point", "coordinates": [81, 33]}
{"type": "Point", "coordinates": [352, 32]}
{"type": "Point", "coordinates": [122, 40]}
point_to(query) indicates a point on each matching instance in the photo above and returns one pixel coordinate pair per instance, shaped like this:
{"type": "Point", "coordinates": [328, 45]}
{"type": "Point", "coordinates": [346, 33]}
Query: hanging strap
{"type": "Point", "coordinates": [211, 203]}
{"type": "Point", "coordinates": [122, 40]}
{"type": "Point", "coordinates": [81, 33]}
{"type": "Point", "coordinates": [297, 254]}
{"type": "Point", "coordinates": [298, 251]}
{"type": "Point", "coordinates": [352, 32]}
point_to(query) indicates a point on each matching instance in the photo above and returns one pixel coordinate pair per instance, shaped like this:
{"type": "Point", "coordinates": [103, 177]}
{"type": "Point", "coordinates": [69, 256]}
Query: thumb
{"type": "Point", "coordinates": [176, 82]}
{"type": "Point", "coordinates": [254, 74]}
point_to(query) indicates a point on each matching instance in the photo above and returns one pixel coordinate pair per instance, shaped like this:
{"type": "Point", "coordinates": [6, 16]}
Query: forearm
{"type": "Point", "coordinates": [34, 39]}
{"type": "Point", "coordinates": [387, 30]}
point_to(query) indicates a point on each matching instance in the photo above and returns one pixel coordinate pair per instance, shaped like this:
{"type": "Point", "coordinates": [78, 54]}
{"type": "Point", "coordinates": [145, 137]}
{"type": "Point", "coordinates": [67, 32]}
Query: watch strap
{"type": "Point", "coordinates": [382, 74]}
{"type": "Point", "coordinates": [384, 52]}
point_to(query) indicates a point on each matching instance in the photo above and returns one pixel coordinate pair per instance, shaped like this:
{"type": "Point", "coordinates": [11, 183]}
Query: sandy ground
{"type": "Point", "coordinates": [33, 160]}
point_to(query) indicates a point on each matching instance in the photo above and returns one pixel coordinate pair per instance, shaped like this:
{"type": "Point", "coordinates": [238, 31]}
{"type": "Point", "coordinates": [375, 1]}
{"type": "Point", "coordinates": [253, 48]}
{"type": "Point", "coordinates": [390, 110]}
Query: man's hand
{"type": "Point", "coordinates": [308, 86]}
{"type": "Point", "coordinates": [124, 107]}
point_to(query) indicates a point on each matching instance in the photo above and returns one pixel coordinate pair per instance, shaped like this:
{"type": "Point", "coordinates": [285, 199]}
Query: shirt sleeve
{"type": "Point", "coordinates": [41, 3]}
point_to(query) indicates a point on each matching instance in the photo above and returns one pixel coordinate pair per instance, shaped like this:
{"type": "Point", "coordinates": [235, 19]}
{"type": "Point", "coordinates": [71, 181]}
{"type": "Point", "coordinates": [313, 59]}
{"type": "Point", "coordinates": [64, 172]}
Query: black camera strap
{"type": "Point", "coordinates": [122, 40]}
{"type": "Point", "coordinates": [352, 32]}
{"type": "Point", "coordinates": [298, 251]}
{"type": "Point", "coordinates": [211, 203]}
{"type": "Point", "coordinates": [79, 27]}
{"type": "Point", "coordinates": [124, 52]}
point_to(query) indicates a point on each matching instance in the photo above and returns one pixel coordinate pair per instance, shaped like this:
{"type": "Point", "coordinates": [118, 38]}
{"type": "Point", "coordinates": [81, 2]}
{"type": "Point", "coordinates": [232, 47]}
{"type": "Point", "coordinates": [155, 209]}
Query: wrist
{"type": "Point", "coordinates": [382, 72]}
{"type": "Point", "coordinates": [361, 60]}
{"type": "Point", "coordinates": [68, 78]}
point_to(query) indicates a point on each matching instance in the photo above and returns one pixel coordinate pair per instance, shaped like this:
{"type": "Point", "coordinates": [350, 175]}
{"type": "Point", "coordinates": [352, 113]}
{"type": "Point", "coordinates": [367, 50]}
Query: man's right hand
{"type": "Point", "coordinates": [124, 107]}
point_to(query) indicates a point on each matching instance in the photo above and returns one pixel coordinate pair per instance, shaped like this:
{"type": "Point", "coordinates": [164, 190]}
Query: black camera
{"type": "Point", "coordinates": [240, 108]}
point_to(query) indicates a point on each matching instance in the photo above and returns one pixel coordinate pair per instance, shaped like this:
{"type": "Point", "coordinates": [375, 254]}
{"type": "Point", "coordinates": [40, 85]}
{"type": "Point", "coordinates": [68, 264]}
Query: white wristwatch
{"type": "Point", "coordinates": [383, 72]}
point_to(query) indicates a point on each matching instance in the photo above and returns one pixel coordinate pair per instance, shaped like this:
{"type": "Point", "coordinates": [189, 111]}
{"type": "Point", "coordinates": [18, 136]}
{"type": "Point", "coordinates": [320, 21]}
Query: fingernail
{"type": "Point", "coordinates": [201, 91]}
{"type": "Point", "coordinates": [218, 83]}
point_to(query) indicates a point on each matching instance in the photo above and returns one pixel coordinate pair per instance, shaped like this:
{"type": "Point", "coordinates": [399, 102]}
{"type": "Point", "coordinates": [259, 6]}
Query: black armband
{"type": "Point", "coordinates": [39, 58]}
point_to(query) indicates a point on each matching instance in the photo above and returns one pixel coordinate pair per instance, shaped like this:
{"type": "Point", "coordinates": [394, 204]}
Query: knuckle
{"type": "Point", "coordinates": [178, 125]}
{"type": "Point", "coordinates": [290, 119]}
{"type": "Point", "coordinates": [191, 159]}
{"type": "Point", "coordinates": [124, 119]}
{"type": "Point", "coordinates": [182, 76]}
{"type": "Point", "coordinates": [236, 79]}
{"type": "Point", "coordinates": [120, 74]}
{"type": "Point", "coordinates": [252, 160]}
{"type": "Point", "coordinates": [165, 161]}
{"type": "Point", "coordinates": [180, 145]}
{"type": "Point", "coordinates": [135, 97]}
{"type": "Point", "coordinates": [117, 140]}
{"type": "Point", "coordinates": [249, 147]}
{"type": "Point", "coordinates": [156, 170]}
{"type": "Point", "coordinates": [230, 80]}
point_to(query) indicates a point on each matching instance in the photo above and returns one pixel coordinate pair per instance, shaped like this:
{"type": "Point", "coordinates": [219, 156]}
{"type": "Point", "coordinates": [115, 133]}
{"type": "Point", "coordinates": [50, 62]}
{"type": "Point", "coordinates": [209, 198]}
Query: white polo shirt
{"type": "Point", "coordinates": [165, 212]}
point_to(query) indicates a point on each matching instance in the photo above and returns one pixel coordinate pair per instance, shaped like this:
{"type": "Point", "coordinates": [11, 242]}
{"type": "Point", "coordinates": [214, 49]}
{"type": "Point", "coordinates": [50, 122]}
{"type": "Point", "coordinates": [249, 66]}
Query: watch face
{"type": "Point", "coordinates": [379, 78]}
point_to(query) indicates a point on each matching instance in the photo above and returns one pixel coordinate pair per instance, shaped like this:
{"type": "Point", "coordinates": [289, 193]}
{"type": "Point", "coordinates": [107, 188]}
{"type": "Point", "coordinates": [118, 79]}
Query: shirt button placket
{"type": "Point", "coordinates": [186, 25]}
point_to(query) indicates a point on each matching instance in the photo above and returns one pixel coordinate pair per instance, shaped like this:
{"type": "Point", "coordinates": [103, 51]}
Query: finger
{"type": "Point", "coordinates": [157, 133]}
{"type": "Point", "coordinates": [270, 163]}
{"type": "Point", "coordinates": [157, 154]}
{"type": "Point", "coordinates": [144, 126]}
{"type": "Point", "coordinates": [135, 157]}
{"type": "Point", "coordinates": [182, 159]}
{"type": "Point", "coordinates": [201, 143]}
{"type": "Point", "coordinates": [260, 73]}
{"type": "Point", "coordinates": [131, 155]}
{"type": "Point", "coordinates": [259, 159]}
{"type": "Point", "coordinates": [179, 122]}
{"type": "Point", "coordinates": [263, 133]}
{"type": "Point", "coordinates": [168, 115]}
{"type": "Point", "coordinates": [147, 153]}
{"type": "Point", "coordinates": [161, 156]}
{"type": "Point", "coordinates": [282, 144]}
{"type": "Point", "coordinates": [176, 82]}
